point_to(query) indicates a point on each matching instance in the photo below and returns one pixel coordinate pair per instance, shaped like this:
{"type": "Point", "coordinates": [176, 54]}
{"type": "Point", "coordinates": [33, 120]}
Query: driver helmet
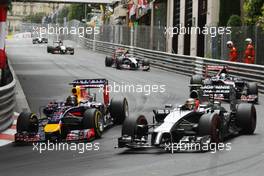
{"type": "Point", "coordinates": [229, 44]}
{"type": "Point", "coordinates": [71, 101]}
{"type": "Point", "coordinates": [222, 76]}
{"type": "Point", "coordinates": [248, 40]}
{"type": "Point", "coordinates": [190, 103]}
{"type": "Point", "coordinates": [90, 97]}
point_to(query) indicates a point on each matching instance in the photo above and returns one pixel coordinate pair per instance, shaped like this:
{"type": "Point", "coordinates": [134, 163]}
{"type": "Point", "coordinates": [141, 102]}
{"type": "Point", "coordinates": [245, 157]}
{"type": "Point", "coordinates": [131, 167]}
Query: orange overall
{"type": "Point", "coordinates": [249, 54]}
{"type": "Point", "coordinates": [233, 54]}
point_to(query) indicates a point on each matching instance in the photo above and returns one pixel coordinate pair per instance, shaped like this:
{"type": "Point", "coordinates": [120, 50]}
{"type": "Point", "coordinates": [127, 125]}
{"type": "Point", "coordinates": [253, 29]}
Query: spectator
{"type": "Point", "coordinates": [249, 52]}
{"type": "Point", "coordinates": [233, 55]}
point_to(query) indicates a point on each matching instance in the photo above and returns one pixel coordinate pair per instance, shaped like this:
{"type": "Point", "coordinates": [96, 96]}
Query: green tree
{"type": "Point", "coordinates": [260, 21]}
{"type": "Point", "coordinates": [35, 18]}
{"type": "Point", "coordinates": [234, 20]}
{"type": "Point", "coordinates": [227, 9]}
{"type": "Point", "coordinates": [253, 11]}
{"type": "Point", "coordinates": [62, 14]}
{"type": "Point", "coordinates": [77, 12]}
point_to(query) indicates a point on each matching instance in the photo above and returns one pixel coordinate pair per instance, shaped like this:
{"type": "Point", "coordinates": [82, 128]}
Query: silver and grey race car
{"type": "Point", "coordinates": [121, 59]}
{"type": "Point", "coordinates": [39, 40]}
{"type": "Point", "coordinates": [194, 124]}
{"type": "Point", "coordinates": [59, 48]}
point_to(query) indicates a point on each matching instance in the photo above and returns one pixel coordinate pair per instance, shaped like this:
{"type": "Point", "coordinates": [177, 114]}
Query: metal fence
{"type": "Point", "coordinates": [141, 36]}
{"type": "Point", "coordinates": [155, 38]}
{"type": "Point", "coordinates": [139, 41]}
{"type": "Point", "coordinates": [181, 64]}
{"type": "Point", "coordinates": [216, 45]}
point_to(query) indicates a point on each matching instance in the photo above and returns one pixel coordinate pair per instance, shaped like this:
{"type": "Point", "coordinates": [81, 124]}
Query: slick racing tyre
{"type": "Point", "coordinates": [246, 118]}
{"type": "Point", "coordinates": [253, 89]}
{"type": "Point", "coordinates": [196, 79]}
{"type": "Point", "coordinates": [195, 82]}
{"type": "Point", "coordinates": [119, 110]}
{"type": "Point", "coordinates": [71, 51]}
{"type": "Point", "coordinates": [49, 49]}
{"type": "Point", "coordinates": [93, 118]}
{"type": "Point", "coordinates": [108, 61]}
{"type": "Point", "coordinates": [146, 65]}
{"type": "Point", "coordinates": [27, 122]}
{"type": "Point", "coordinates": [135, 127]}
{"type": "Point", "coordinates": [209, 124]}
{"type": "Point", "coordinates": [145, 62]}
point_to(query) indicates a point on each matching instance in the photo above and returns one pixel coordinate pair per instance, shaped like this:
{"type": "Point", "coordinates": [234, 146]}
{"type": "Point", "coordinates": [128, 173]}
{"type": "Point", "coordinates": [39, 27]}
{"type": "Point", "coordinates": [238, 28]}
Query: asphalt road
{"type": "Point", "coordinates": [45, 77]}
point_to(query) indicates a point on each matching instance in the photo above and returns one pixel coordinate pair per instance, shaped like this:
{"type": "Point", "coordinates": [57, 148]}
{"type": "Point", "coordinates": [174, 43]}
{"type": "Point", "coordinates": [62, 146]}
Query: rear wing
{"type": "Point", "coordinates": [215, 91]}
{"type": "Point", "coordinates": [217, 68]}
{"type": "Point", "coordinates": [90, 83]}
{"type": "Point", "coordinates": [220, 92]}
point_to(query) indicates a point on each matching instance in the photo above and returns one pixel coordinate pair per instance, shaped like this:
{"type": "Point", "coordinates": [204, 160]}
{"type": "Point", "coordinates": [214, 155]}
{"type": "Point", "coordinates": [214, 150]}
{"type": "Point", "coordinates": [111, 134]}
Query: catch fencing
{"type": "Point", "coordinates": [181, 64]}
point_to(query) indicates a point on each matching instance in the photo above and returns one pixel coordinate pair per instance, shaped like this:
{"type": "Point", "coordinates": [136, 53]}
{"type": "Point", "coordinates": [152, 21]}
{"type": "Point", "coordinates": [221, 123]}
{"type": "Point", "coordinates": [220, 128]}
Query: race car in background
{"type": "Point", "coordinates": [59, 48]}
{"type": "Point", "coordinates": [219, 75]}
{"type": "Point", "coordinates": [194, 125]}
{"type": "Point", "coordinates": [121, 59]}
{"type": "Point", "coordinates": [80, 117]}
{"type": "Point", "coordinates": [39, 40]}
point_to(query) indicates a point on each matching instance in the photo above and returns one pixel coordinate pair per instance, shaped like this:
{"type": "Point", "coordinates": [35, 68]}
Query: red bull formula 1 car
{"type": "Point", "coordinates": [80, 117]}
{"type": "Point", "coordinates": [121, 59]}
{"type": "Point", "coordinates": [245, 91]}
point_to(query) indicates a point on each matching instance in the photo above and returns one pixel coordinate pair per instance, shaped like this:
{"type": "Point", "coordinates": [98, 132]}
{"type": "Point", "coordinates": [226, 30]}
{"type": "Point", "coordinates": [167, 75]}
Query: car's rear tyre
{"type": "Point", "coordinates": [108, 61]}
{"type": "Point", "coordinates": [92, 118]}
{"type": "Point", "coordinates": [49, 49]}
{"type": "Point", "coordinates": [27, 122]}
{"type": "Point", "coordinates": [146, 65]}
{"type": "Point", "coordinates": [253, 89]}
{"type": "Point", "coordinates": [72, 52]}
{"type": "Point", "coordinates": [209, 124]}
{"type": "Point", "coordinates": [196, 79]}
{"type": "Point", "coordinates": [145, 62]}
{"type": "Point", "coordinates": [246, 118]}
{"type": "Point", "coordinates": [135, 127]}
{"type": "Point", "coordinates": [119, 110]}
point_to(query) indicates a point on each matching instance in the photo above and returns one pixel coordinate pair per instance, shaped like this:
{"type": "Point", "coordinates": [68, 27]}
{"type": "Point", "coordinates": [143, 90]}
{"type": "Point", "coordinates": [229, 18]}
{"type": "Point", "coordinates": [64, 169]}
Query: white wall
{"type": "Point", "coordinates": [181, 37]}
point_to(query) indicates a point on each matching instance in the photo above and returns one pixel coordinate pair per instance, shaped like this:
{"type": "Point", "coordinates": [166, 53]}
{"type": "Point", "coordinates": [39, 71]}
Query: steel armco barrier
{"type": "Point", "coordinates": [185, 65]}
{"type": "Point", "coordinates": [7, 102]}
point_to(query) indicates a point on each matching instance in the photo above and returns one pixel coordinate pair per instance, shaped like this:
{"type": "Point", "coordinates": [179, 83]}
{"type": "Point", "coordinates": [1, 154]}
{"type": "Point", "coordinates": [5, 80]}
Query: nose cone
{"type": "Point", "coordinates": [51, 128]}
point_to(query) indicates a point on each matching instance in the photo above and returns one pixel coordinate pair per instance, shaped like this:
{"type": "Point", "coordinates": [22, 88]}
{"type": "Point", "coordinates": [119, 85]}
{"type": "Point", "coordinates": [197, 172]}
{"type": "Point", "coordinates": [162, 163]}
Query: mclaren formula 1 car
{"type": "Point", "coordinates": [194, 124]}
{"type": "Point", "coordinates": [123, 60]}
{"type": "Point", "coordinates": [39, 40]}
{"type": "Point", "coordinates": [245, 91]}
{"type": "Point", "coordinates": [59, 48]}
{"type": "Point", "coordinates": [80, 117]}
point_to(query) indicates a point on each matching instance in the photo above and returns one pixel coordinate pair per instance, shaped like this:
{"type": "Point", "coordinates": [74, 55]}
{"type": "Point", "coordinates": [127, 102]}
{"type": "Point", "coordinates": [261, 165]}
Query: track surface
{"type": "Point", "coordinates": [44, 77]}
